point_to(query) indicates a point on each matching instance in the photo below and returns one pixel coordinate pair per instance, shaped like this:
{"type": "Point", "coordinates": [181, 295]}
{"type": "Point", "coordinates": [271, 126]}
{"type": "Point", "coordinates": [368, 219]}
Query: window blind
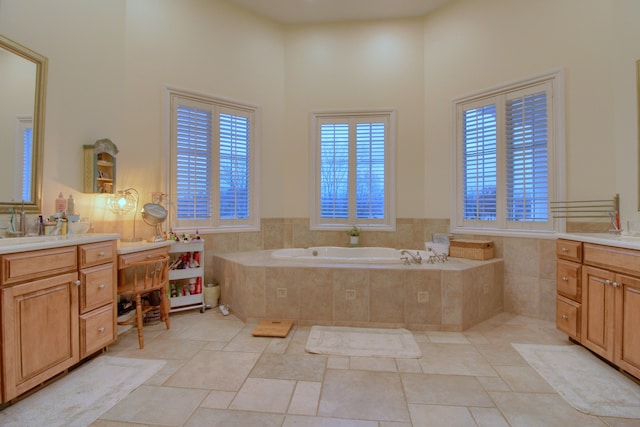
{"type": "Point", "coordinates": [480, 163]}
{"type": "Point", "coordinates": [527, 183]}
{"type": "Point", "coordinates": [27, 161]}
{"type": "Point", "coordinates": [193, 163]}
{"type": "Point", "coordinates": [370, 173]}
{"type": "Point", "coordinates": [334, 170]}
{"type": "Point", "coordinates": [234, 167]}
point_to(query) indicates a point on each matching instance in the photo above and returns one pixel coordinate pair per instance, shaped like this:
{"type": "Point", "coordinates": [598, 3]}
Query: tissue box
{"type": "Point", "coordinates": [471, 249]}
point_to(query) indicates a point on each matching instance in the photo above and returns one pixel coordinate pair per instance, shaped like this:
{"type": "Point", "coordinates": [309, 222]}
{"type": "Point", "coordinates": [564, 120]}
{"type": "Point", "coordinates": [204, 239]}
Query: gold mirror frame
{"type": "Point", "coordinates": [35, 204]}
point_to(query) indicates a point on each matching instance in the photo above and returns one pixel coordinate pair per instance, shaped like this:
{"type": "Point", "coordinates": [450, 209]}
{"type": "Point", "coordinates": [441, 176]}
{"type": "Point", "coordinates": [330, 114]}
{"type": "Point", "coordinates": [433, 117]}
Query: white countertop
{"type": "Point", "coordinates": [143, 245]}
{"type": "Point", "coordinates": [21, 244]}
{"type": "Point", "coordinates": [620, 241]}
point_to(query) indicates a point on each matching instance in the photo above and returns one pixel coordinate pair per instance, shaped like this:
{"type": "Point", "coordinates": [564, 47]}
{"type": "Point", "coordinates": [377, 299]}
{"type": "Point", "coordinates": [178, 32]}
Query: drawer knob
{"type": "Point", "coordinates": [565, 317]}
{"type": "Point", "coordinates": [101, 286]}
{"type": "Point", "coordinates": [565, 279]}
{"type": "Point", "coordinates": [101, 254]}
{"type": "Point", "coordinates": [564, 250]}
{"type": "Point", "coordinates": [101, 330]}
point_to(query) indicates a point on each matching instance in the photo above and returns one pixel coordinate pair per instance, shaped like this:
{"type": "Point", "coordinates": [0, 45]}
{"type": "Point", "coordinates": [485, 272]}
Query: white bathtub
{"type": "Point", "coordinates": [335, 254]}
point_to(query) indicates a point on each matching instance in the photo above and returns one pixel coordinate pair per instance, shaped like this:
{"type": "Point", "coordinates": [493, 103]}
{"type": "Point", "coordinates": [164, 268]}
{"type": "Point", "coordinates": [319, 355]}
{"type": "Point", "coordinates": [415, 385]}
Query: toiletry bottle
{"type": "Point", "coordinates": [61, 203]}
{"type": "Point", "coordinates": [71, 205]}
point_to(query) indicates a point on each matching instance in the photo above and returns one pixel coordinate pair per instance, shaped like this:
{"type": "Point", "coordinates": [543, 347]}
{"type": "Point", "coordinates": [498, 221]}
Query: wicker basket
{"type": "Point", "coordinates": [471, 249]}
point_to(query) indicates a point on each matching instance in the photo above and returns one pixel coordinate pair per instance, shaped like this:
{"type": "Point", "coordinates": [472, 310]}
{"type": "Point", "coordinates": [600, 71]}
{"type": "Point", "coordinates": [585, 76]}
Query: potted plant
{"type": "Point", "coordinates": [354, 233]}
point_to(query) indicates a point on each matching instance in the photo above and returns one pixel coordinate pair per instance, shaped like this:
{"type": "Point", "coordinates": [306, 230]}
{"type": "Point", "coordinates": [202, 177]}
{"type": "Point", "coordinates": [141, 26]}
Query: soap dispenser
{"type": "Point", "coordinates": [61, 203]}
{"type": "Point", "coordinates": [71, 205]}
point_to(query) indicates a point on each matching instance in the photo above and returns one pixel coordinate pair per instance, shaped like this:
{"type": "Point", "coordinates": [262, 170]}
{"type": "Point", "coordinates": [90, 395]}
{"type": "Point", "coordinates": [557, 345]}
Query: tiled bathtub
{"type": "Point", "coordinates": [452, 296]}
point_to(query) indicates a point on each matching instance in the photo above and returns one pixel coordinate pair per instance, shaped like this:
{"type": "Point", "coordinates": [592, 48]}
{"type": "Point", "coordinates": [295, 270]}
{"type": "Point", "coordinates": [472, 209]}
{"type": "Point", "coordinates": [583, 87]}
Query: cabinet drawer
{"type": "Point", "coordinates": [126, 260]}
{"type": "Point", "coordinates": [568, 279]}
{"type": "Point", "coordinates": [97, 287]}
{"type": "Point", "coordinates": [611, 258]}
{"type": "Point", "coordinates": [568, 318]}
{"type": "Point", "coordinates": [23, 266]}
{"type": "Point", "coordinates": [569, 250]}
{"type": "Point", "coordinates": [97, 329]}
{"type": "Point", "coordinates": [97, 253]}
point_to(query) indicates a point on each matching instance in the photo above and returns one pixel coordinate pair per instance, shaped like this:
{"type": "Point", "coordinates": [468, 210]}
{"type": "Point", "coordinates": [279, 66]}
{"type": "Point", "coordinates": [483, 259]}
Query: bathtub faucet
{"type": "Point", "coordinates": [417, 259]}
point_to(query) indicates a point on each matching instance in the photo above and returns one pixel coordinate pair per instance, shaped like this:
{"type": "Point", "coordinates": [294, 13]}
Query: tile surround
{"type": "Point", "coordinates": [529, 264]}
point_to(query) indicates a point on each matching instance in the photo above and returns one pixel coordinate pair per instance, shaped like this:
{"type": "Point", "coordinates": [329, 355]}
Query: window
{"type": "Point", "coordinates": [213, 163]}
{"type": "Point", "coordinates": [23, 159]}
{"type": "Point", "coordinates": [353, 170]}
{"type": "Point", "coordinates": [508, 144]}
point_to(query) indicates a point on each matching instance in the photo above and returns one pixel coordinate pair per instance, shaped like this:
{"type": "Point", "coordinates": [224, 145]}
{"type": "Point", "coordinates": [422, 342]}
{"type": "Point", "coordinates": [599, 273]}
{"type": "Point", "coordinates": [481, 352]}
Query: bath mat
{"type": "Point", "coordinates": [83, 395]}
{"type": "Point", "coordinates": [367, 342]}
{"type": "Point", "coordinates": [272, 328]}
{"type": "Point", "coordinates": [586, 382]}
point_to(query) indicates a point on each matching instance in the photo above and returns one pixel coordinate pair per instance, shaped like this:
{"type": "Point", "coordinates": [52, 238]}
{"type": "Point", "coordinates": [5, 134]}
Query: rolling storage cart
{"type": "Point", "coordinates": [186, 276]}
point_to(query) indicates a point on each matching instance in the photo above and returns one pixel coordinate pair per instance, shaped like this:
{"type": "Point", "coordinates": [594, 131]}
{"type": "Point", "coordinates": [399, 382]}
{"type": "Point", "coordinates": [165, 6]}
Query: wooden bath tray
{"type": "Point", "coordinates": [272, 328]}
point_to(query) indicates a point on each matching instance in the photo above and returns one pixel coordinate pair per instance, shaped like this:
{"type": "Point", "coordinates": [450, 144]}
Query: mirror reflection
{"type": "Point", "coordinates": [22, 84]}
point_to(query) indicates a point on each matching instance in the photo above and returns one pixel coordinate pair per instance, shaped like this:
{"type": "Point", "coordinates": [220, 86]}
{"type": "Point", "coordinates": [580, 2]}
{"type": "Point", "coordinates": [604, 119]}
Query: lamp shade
{"type": "Point", "coordinates": [123, 201]}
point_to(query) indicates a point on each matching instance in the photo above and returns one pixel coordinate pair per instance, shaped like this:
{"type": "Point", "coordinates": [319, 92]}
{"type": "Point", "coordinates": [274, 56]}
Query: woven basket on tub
{"type": "Point", "coordinates": [471, 249]}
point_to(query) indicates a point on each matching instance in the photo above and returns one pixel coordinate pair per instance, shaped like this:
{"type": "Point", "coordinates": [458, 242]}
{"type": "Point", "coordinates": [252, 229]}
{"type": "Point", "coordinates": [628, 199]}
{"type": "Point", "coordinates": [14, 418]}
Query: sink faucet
{"type": "Point", "coordinates": [417, 259]}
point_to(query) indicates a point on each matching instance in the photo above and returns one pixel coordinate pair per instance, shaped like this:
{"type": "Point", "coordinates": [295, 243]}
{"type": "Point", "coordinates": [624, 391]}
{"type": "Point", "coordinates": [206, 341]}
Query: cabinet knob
{"type": "Point", "coordinates": [607, 281]}
{"type": "Point", "coordinates": [615, 284]}
{"type": "Point", "coordinates": [565, 317]}
{"type": "Point", "coordinates": [78, 282]}
{"type": "Point", "coordinates": [565, 279]}
{"type": "Point", "coordinates": [101, 330]}
{"type": "Point", "coordinates": [101, 253]}
{"type": "Point", "coordinates": [564, 250]}
{"type": "Point", "coordinates": [101, 286]}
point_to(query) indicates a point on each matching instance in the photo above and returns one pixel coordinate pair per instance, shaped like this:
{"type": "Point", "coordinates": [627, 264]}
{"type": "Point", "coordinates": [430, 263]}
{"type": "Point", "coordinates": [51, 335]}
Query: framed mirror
{"type": "Point", "coordinates": [23, 79]}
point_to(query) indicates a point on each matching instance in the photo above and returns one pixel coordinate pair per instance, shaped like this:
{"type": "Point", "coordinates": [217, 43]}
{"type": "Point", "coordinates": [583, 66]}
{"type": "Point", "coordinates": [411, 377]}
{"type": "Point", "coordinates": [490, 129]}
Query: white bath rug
{"type": "Point", "coordinates": [586, 382]}
{"type": "Point", "coordinates": [83, 395]}
{"type": "Point", "coordinates": [367, 342]}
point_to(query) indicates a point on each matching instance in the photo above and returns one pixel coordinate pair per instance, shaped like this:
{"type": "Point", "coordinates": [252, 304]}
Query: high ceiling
{"type": "Point", "coordinates": [315, 11]}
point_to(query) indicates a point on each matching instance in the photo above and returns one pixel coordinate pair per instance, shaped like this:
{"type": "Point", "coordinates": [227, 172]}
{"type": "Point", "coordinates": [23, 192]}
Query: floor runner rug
{"type": "Point", "coordinates": [79, 398]}
{"type": "Point", "coordinates": [586, 382]}
{"type": "Point", "coordinates": [366, 342]}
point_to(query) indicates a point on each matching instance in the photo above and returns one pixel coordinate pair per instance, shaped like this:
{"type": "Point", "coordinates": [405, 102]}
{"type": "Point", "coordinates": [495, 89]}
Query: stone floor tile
{"type": "Point", "coordinates": [488, 417]}
{"type": "Point", "coordinates": [306, 397]}
{"type": "Point", "coordinates": [363, 395]}
{"type": "Point", "coordinates": [205, 417]}
{"type": "Point", "coordinates": [304, 367]}
{"type": "Point", "coordinates": [455, 359]}
{"type": "Point", "coordinates": [438, 415]}
{"type": "Point", "coordinates": [457, 390]}
{"type": "Point", "coordinates": [218, 399]}
{"type": "Point", "coordinates": [373, 364]}
{"type": "Point", "coordinates": [524, 378]}
{"type": "Point", "coordinates": [264, 395]}
{"type": "Point", "coordinates": [305, 421]}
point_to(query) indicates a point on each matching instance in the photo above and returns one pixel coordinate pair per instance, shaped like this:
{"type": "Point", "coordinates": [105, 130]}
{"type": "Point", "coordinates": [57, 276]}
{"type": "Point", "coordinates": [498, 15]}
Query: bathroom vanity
{"type": "Point", "coordinates": [57, 306]}
{"type": "Point", "coordinates": [598, 295]}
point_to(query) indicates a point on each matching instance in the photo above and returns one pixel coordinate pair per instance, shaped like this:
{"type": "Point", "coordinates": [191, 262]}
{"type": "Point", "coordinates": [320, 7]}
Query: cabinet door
{"type": "Point", "coordinates": [627, 354]}
{"type": "Point", "coordinates": [39, 331]}
{"type": "Point", "coordinates": [597, 311]}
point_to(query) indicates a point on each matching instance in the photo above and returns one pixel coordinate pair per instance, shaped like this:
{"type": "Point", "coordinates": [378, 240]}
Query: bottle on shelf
{"type": "Point", "coordinates": [61, 203]}
{"type": "Point", "coordinates": [71, 205]}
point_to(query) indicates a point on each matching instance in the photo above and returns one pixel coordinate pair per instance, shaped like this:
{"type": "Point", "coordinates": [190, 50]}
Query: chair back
{"type": "Point", "coordinates": [146, 275]}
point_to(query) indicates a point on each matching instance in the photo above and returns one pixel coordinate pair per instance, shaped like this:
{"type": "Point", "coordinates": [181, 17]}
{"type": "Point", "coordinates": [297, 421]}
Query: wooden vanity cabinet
{"type": "Point", "coordinates": [45, 295]}
{"type": "Point", "coordinates": [569, 287]}
{"type": "Point", "coordinates": [607, 302]}
{"type": "Point", "coordinates": [39, 317]}
{"type": "Point", "coordinates": [98, 285]}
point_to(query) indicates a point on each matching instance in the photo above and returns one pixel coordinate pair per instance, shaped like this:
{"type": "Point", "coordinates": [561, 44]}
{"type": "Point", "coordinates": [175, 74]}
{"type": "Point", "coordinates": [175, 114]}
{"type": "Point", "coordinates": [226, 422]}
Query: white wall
{"type": "Point", "coordinates": [109, 60]}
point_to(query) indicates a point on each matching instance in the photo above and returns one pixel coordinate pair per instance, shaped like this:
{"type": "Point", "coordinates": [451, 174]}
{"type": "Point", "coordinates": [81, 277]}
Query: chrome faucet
{"type": "Point", "coordinates": [417, 259]}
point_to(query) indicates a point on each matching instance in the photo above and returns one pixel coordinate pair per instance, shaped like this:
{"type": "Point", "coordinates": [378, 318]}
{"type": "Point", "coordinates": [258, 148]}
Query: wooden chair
{"type": "Point", "coordinates": [142, 278]}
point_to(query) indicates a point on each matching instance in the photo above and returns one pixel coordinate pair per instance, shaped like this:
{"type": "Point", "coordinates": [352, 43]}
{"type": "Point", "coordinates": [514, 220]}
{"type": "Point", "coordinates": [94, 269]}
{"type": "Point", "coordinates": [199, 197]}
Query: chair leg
{"type": "Point", "coordinates": [164, 309]}
{"type": "Point", "coordinates": [139, 322]}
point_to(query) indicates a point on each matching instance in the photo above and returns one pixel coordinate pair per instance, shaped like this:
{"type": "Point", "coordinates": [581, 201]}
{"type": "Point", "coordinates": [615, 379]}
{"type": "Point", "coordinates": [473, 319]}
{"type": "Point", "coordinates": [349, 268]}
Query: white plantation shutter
{"type": "Point", "coordinates": [506, 146]}
{"type": "Point", "coordinates": [334, 170]}
{"type": "Point", "coordinates": [234, 167]}
{"type": "Point", "coordinates": [480, 163]}
{"type": "Point", "coordinates": [27, 161]}
{"type": "Point", "coordinates": [353, 170]}
{"type": "Point", "coordinates": [193, 163]}
{"type": "Point", "coordinates": [370, 166]}
{"type": "Point", "coordinates": [527, 183]}
{"type": "Point", "coordinates": [213, 167]}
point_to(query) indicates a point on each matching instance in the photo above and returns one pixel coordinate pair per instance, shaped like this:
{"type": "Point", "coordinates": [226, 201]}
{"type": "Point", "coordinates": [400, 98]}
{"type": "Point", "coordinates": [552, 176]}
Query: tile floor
{"type": "Point", "coordinates": [217, 374]}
